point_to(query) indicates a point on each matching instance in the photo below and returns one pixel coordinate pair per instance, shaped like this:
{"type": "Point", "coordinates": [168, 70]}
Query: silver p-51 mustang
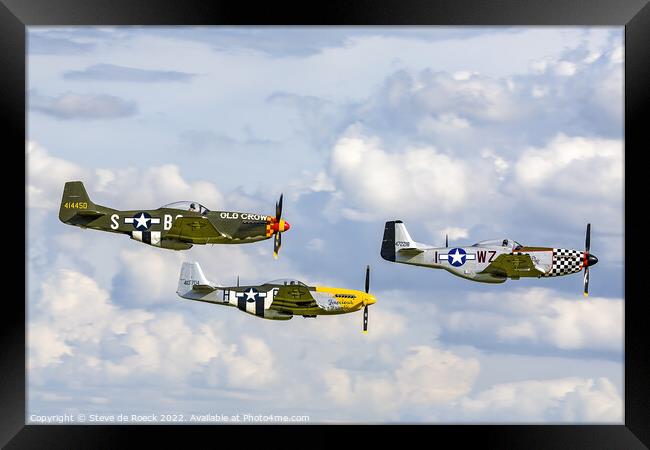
{"type": "Point", "coordinates": [492, 261]}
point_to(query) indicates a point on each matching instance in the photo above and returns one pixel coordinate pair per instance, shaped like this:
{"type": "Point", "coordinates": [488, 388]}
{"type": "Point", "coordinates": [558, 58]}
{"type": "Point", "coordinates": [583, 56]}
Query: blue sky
{"type": "Point", "coordinates": [476, 132]}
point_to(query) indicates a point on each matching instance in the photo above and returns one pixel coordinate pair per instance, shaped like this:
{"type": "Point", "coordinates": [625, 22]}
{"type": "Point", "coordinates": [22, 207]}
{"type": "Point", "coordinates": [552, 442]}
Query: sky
{"type": "Point", "coordinates": [475, 132]}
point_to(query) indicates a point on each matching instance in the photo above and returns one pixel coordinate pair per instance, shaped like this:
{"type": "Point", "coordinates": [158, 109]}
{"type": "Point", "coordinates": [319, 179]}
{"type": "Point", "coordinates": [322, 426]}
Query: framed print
{"type": "Point", "coordinates": [414, 215]}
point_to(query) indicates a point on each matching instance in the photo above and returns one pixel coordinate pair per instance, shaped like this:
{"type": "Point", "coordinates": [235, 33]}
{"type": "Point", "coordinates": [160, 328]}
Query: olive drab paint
{"type": "Point", "coordinates": [177, 226]}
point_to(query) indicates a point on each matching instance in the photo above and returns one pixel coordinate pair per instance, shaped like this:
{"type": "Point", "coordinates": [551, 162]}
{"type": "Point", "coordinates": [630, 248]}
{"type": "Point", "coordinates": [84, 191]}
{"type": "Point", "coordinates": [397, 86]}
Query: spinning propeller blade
{"type": "Point", "coordinates": [367, 279]}
{"type": "Point", "coordinates": [278, 209]}
{"type": "Point", "coordinates": [277, 243]}
{"type": "Point", "coordinates": [365, 308]}
{"type": "Point", "coordinates": [365, 319]}
{"type": "Point", "coordinates": [590, 260]}
{"type": "Point", "coordinates": [279, 226]}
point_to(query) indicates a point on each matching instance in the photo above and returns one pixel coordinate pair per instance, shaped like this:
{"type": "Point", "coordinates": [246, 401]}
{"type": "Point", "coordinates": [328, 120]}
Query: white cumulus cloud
{"type": "Point", "coordinates": [409, 181]}
{"type": "Point", "coordinates": [558, 400]}
{"type": "Point", "coordinates": [540, 317]}
{"type": "Point", "coordinates": [425, 376]}
{"type": "Point", "coordinates": [156, 185]}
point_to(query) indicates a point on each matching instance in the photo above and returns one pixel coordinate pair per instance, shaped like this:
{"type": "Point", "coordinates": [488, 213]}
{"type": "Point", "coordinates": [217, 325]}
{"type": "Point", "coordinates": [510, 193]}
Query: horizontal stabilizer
{"type": "Point", "coordinates": [203, 288]}
{"type": "Point", "coordinates": [89, 213]}
{"type": "Point", "coordinates": [410, 251]}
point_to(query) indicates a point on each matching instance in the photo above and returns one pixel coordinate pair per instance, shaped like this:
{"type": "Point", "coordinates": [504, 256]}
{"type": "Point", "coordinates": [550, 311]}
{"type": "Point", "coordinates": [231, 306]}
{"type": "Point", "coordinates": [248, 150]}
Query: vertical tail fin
{"type": "Point", "coordinates": [402, 236]}
{"type": "Point", "coordinates": [191, 276]}
{"type": "Point", "coordinates": [396, 238]}
{"type": "Point", "coordinates": [75, 201]}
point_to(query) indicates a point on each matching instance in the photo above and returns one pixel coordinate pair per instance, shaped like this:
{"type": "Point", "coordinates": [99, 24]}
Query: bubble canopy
{"type": "Point", "coordinates": [499, 243]}
{"type": "Point", "coordinates": [187, 206]}
{"type": "Point", "coordinates": [287, 281]}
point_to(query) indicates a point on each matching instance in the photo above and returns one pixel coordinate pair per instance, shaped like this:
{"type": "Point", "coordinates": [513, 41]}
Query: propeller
{"type": "Point", "coordinates": [277, 243]}
{"type": "Point", "coordinates": [278, 226]}
{"type": "Point", "coordinates": [590, 260]}
{"type": "Point", "coordinates": [586, 277]}
{"type": "Point", "coordinates": [278, 209]}
{"type": "Point", "coordinates": [365, 308]}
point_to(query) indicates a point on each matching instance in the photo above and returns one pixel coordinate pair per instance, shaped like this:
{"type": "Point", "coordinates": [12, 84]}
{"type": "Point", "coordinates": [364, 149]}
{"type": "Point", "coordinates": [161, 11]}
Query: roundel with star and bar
{"type": "Point", "coordinates": [457, 256]}
{"type": "Point", "coordinates": [142, 221]}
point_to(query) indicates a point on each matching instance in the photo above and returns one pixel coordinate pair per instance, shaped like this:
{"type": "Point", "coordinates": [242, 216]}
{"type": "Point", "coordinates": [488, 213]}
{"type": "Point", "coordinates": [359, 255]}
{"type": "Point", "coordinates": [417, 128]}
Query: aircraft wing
{"type": "Point", "coordinates": [509, 265]}
{"type": "Point", "coordinates": [197, 230]}
{"type": "Point", "coordinates": [293, 298]}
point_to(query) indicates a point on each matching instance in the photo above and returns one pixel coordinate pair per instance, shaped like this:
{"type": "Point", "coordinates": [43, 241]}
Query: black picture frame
{"type": "Point", "coordinates": [16, 15]}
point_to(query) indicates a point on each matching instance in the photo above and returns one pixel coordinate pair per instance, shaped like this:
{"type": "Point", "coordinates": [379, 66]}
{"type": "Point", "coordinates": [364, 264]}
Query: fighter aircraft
{"type": "Point", "coordinates": [175, 226]}
{"type": "Point", "coordinates": [492, 261]}
{"type": "Point", "coordinates": [278, 299]}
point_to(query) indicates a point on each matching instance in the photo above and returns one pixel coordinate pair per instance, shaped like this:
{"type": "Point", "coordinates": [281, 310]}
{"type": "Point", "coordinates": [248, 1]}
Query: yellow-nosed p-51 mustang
{"type": "Point", "coordinates": [278, 299]}
{"type": "Point", "coordinates": [492, 261]}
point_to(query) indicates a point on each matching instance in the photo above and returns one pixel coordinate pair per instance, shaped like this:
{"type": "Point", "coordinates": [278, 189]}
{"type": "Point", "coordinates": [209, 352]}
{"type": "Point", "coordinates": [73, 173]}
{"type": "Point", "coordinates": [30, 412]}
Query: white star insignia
{"type": "Point", "coordinates": [457, 257]}
{"type": "Point", "coordinates": [250, 294]}
{"type": "Point", "coordinates": [142, 221]}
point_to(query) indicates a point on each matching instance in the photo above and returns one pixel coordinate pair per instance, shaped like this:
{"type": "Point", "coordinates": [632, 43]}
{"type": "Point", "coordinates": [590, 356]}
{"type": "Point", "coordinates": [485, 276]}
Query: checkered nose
{"type": "Point", "coordinates": [592, 260]}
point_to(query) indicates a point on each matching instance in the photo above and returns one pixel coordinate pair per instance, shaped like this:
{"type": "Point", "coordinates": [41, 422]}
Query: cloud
{"type": "Point", "coordinates": [46, 175]}
{"type": "Point", "coordinates": [46, 346]}
{"type": "Point", "coordinates": [75, 323]}
{"type": "Point", "coordinates": [208, 141]}
{"type": "Point", "coordinates": [576, 92]}
{"type": "Point", "coordinates": [553, 183]}
{"type": "Point", "coordinates": [320, 119]}
{"type": "Point", "coordinates": [453, 233]}
{"type": "Point", "coordinates": [156, 185]}
{"type": "Point", "coordinates": [566, 164]}
{"type": "Point", "coordinates": [115, 73]}
{"type": "Point", "coordinates": [71, 105]}
{"type": "Point", "coordinates": [452, 99]}
{"type": "Point", "coordinates": [559, 400]}
{"type": "Point", "coordinates": [572, 179]}
{"type": "Point", "coordinates": [441, 124]}
{"type": "Point", "coordinates": [538, 318]}
{"type": "Point", "coordinates": [411, 181]}
{"type": "Point", "coordinates": [426, 376]}
{"type": "Point", "coordinates": [71, 311]}
{"type": "Point", "coordinates": [41, 44]}
{"type": "Point", "coordinates": [315, 245]}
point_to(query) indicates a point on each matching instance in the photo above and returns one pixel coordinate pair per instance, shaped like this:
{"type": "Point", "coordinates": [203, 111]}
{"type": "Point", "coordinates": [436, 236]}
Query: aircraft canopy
{"type": "Point", "coordinates": [187, 206]}
{"type": "Point", "coordinates": [509, 243]}
{"type": "Point", "coordinates": [287, 281]}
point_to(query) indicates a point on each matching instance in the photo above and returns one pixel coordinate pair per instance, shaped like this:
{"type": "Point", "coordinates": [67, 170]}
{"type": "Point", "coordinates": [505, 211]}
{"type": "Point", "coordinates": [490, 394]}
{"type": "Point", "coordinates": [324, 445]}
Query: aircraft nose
{"type": "Point", "coordinates": [286, 226]}
{"type": "Point", "coordinates": [370, 299]}
{"type": "Point", "coordinates": [592, 260]}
